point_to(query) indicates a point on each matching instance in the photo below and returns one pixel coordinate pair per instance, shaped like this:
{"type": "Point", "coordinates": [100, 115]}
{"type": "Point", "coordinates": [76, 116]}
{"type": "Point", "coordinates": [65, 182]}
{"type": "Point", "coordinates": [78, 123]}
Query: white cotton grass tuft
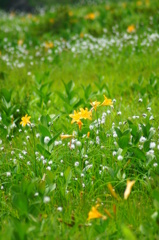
{"type": "Point", "coordinates": [120, 158]}
{"type": "Point", "coordinates": [46, 139]}
{"type": "Point", "coordinates": [76, 164]}
{"type": "Point", "coordinates": [152, 145]}
{"type": "Point", "coordinates": [46, 199]}
{"type": "Point", "coordinates": [60, 209]}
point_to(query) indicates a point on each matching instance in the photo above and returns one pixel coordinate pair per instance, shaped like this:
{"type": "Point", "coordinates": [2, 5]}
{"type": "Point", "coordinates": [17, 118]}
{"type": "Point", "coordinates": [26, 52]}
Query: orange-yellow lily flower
{"type": "Point", "coordinates": [131, 28]}
{"type": "Point", "coordinates": [95, 214]}
{"type": "Point", "coordinates": [49, 45]}
{"type": "Point", "coordinates": [25, 120]}
{"type": "Point", "coordinates": [90, 16]}
{"type": "Point", "coordinates": [62, 136]}
{"type": "Point", "coordinates": [85, 113]}
{"type": "Point", "coordinates": [128, 188]}
{"type": "Point", "coordinates": [107, 102]}
{"type": "Point", "coordinates": [95, 104]}
{"type": "Point", "coordinates": [75, 116]}
{"type": "Point", "coordinates": [79, 124]}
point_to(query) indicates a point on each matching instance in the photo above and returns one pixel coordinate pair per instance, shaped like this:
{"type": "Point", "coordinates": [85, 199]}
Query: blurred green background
{"type": "Point", "coordinates": [32, 5]}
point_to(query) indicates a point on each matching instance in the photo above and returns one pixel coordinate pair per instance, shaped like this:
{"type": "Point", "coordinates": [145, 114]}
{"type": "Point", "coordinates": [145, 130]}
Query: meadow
{"type": "Point", "coordinates": [79, 125]}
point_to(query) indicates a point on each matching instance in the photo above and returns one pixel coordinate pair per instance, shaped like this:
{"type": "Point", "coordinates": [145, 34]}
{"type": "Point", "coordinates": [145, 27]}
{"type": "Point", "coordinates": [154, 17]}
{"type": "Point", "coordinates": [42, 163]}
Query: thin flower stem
{"type": "Point", "coordinates": [35, 167]}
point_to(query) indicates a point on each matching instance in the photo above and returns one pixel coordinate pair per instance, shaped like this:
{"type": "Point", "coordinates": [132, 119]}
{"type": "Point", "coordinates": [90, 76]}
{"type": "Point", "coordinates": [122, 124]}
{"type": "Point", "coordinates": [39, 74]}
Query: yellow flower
{"type": "Point", "coordinates": [107, 102]}
{"type": "Point", "coordinates": [131, 28]}
{"type": "Point", "coordinates": [79, 124]}
{"type": "Point", "coordinates": [128, 188]}
{"type": "Point", "coordinates": [90, 16]}
{"type": "Point", "coordinates": [95, 214]}
{"type": "Point", "coordinates": [20, 42]}
{"type": "Point", "coordinates": [139, 3]}
{"type": "Point", "coordinates": [25, 120]}
{"type": "Point", "coordinates": [49, 45]}
{"type": "Point", "coordinates": [62, 136]}
{"type": "Point", "coordinates": [95, 104]}
{"type": "Point", "coordinates": [85, 113]}
{"type": "Point", "coordinates": [75, 117]}
{"type": "Point", "coordinates": [113, 193]}
{"type": "Point", "coordinates": [81, 35]}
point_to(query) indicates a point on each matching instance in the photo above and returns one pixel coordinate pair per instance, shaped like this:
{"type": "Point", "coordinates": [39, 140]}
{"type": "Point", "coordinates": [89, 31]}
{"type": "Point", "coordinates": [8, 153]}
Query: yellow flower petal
{"type": "Point", "coordinates": [79, 124]}
{"type": "Point", "coordinates": [76, 116]}
{"type": "Point", "coordinates": [90, 16]}
{"type": "Point", "coordinates": [131, 28]}
{"type": "Point", "coordinates": [20, 42]}
{"type": "Point", "coordinates": [128, 188]}
{"type": "Point", "coordinates": [107, 102]}
{"type": "Point", "coordinates": [85, 113]}
{"type": "Point", "coordinates": [25, 120]}
{"type": "Point", "coordinates": [94, 214]}
{"type": "Point", "coordinates": [113, 193]}
{"type": "Point", "coordinates": [62, 136]}
{"type": "Point", "coordinates": [95, 104]}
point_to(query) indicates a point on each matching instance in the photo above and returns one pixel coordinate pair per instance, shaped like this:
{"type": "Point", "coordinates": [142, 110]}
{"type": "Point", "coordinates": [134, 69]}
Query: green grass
{"type": "Point", "coordinates": [49, 185]}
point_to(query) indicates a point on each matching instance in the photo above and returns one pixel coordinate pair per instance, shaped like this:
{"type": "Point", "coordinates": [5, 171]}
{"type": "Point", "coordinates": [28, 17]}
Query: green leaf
{"type": "Point", "coordinates": [136, 138]}
{"type": "Point", "coordinates": [140, 79]}
{"type": "Point", "coordinates": [68, 87]}
{"type": "Point", "coordinates": [2, 75]}
{"type": "Point", "coordinates": [123, 141]}
{"type": "Point", "coordinates": [41, 187]}
{"type": "Point", "coordinates": [87, 91]}
{"type": "Point", "coordinates": [63, 97]}
{"type": "Point", "coordinates": [129, 122]}
{"type": "Point", "coordinates": [20, 202]}
{"type": "Point", "coordinates": [54, 138]}
{"type": "Point", "coordinates": [43, 151]}
{"type": "Point", "coordinates": [146, 129]}
{"type": "Point", "coordinates": [108, 92]}
{"type": "Point", "coordinates": [146, 146]}
{"type": "Point", "coordinates": [45, 120]}
{"type": "Point", "coordinates": [126, 132]}
{"type": "Point", "coordinates": [134, 130]}
{"type": "Point", "coordinates": [151, 133]}
{"type": "Point", "coordinates": [6, 94]}
{"type": "Point", "coordinates": [138, 153]}
{"type": "Point", "coordinates": [118, 132]}
{"type": "Point", "coordinates": [68, 175]}
{"type": "Point", "coordinates": [54, 117]}
{"type": "Point", "coordinates": [155, 195]}
{"type": "Point", "coordinates": [50, 188]}
{"type": "Point", "coordinates": [111, 172]}
{"type": "Point", "coordinates": [44, 131]}
{"type": "Point", "coordinates": [128, 235]}
{"type": "Point", "coordinates": [78, 103]}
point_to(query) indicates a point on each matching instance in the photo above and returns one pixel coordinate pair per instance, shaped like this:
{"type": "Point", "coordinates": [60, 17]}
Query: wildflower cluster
{"type": "Point", "coordinates": [94, 213]}
{"type": "Point", "coordinates": [85, 114]}
{"type": "Point", "coordinates": [73, 164]}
